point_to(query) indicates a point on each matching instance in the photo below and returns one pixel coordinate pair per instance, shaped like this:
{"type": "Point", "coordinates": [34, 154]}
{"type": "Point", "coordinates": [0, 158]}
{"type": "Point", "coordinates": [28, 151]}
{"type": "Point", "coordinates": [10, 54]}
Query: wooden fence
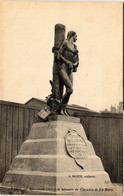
{"type": "Point", "coordinates": [104, 132]}
{"type": "Point", "coordinates": [15, 123]}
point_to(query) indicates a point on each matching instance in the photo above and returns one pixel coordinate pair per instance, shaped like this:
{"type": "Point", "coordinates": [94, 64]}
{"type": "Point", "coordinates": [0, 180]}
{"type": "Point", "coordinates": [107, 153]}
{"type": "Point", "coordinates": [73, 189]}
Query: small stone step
{"type": "Point", "coordinates": [43, 146]}
{"type": "Point", "coordinates": [53, 180]}
{"type": "Point", "coordinates": [55, 129]}
{"type": "Point", "coordinates": [54, 163]}
{"type": "Point", "coordinates": [48, 146]}
{"type": "Point", "coordinates": [64, 118]}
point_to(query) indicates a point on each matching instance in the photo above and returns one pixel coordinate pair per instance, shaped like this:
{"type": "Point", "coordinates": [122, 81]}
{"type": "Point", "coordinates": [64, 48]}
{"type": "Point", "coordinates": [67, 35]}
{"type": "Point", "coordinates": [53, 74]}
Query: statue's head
{"type": "Point", "coordinates": [72, 34]}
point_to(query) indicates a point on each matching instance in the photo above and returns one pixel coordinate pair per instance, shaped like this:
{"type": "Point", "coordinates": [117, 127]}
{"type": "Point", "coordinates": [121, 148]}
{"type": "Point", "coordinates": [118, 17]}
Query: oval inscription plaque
{"type": "Point", "coordinates": [76, 147]}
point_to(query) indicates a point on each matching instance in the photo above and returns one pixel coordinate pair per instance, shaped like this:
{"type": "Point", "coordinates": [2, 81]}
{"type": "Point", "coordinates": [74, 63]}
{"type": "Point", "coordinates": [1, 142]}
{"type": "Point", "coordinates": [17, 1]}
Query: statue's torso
{"type": "Point", "coordinates": [70, 53]}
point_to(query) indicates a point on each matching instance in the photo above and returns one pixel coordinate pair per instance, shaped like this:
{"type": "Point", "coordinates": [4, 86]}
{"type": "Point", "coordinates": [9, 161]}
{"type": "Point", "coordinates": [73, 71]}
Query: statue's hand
{"type": "Point", "coordinates": [70, 65]}
{"type": "Point", "coordinates": [76, 64]}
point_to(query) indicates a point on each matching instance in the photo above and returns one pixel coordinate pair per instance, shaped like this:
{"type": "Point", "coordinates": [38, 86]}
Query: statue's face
{"type": "Point", "coordinates": [75, 38]}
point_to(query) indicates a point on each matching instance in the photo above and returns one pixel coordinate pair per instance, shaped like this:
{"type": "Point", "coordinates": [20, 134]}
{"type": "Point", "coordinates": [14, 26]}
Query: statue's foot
{"type": "Point", "coordinates": [64, 112]}
{"type": "Point", "coordinates": [61, 112]}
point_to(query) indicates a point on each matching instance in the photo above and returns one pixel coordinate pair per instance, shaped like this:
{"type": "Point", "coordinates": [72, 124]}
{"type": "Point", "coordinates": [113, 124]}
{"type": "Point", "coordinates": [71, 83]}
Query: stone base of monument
{"type": "Point", "coordinates": [57, 158]}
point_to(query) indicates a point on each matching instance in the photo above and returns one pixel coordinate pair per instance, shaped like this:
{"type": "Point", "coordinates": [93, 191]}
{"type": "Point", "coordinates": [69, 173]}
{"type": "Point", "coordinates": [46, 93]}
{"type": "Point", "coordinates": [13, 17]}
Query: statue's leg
{"type": "Point", "coordinates": [67, 80]}
{"type": "Point", "coordinates": [61, 87]}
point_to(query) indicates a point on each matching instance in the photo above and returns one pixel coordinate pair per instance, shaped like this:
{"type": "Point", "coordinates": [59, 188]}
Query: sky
{"type": "Point", "coordinates": [27, 38]}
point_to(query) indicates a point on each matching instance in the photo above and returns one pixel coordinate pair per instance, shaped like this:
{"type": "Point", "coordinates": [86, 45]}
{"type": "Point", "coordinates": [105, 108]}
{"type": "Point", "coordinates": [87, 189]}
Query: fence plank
{"type": "Point", "coordinates": [9, 138]}
{"type": "Point", "coordinates": [87, 127]}
{"type": "Point", "coordinates": [3, 141]}
{"type": "Point", "coordinates": [20, 130]}
{"type": "Point", "coordinates": [120, 153]}
{"type": "Point", "coordinates": [26, 124]}
{"type": "Point", "coordinates": [15, 132]}
{"type": "Point", "coordinates": [36, 116]}
{"type": "Point", "coordinates": [109, 141]}
{"type": "Point", "coordinates": [102, 141]}
{"type": "Point", "coordinates": [105, 144]}
{"type": "Point", "coordinates": [0, 143]}
{"type": "Point", "coordinates": [93, 131]}
{"type": "Point", "coordinates": [115, 144]}
{"type": "Point", "coordinates": [31, 119]}
{"type": "Point", "coordinates": [97, 131]}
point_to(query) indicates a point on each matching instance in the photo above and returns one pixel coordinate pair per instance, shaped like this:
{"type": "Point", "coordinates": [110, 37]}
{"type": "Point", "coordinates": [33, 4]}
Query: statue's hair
{"type": "Point", "coordinates": [70, 34]}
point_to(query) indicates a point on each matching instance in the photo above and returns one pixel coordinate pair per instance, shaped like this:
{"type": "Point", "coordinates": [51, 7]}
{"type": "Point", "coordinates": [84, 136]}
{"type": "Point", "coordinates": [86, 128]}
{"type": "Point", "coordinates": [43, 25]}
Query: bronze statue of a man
{"type": "Point", "coordinates": [68, 62]}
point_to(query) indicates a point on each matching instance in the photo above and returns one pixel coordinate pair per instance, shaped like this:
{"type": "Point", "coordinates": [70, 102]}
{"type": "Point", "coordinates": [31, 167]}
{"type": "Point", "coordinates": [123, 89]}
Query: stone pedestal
{"type": "Point", "coordinates": [44, 163]}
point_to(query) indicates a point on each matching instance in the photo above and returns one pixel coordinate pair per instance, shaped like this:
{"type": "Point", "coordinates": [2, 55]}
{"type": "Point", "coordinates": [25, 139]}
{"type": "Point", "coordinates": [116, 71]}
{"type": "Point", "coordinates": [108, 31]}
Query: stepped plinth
{"type": "Point", "coordinates": [57, 158]}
